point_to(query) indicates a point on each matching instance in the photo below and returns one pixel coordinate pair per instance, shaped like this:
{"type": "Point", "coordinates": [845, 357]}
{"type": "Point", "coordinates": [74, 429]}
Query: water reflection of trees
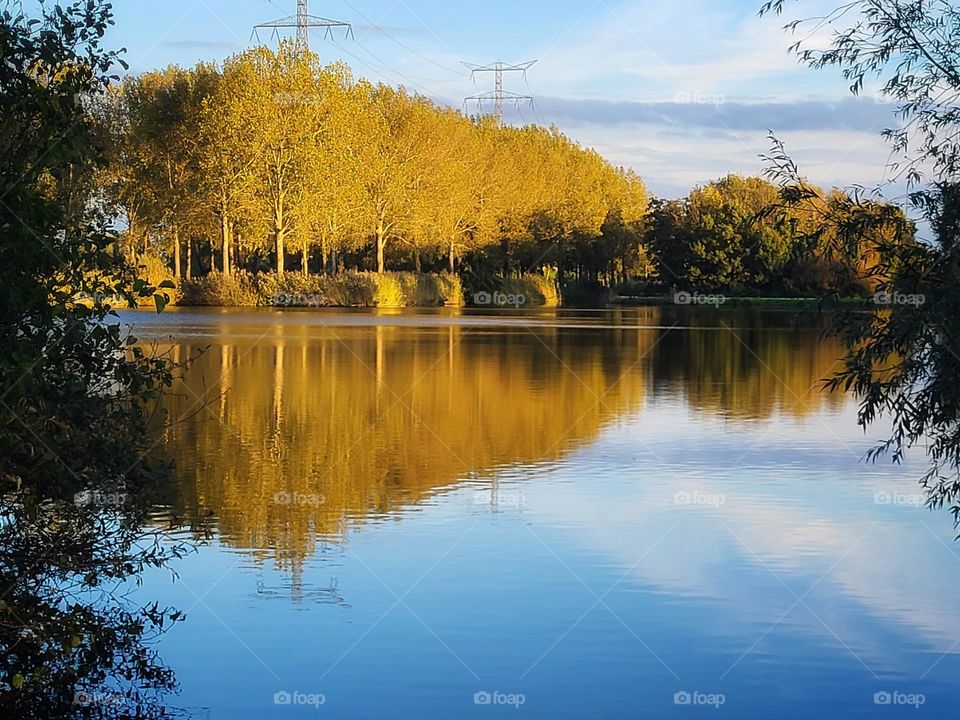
{"type": "Point", "coordinates": [743, 364]}
{"type": "Point", "coordinates": [305, 434]}
{"type": "Point", "coordinates": [309, 431]}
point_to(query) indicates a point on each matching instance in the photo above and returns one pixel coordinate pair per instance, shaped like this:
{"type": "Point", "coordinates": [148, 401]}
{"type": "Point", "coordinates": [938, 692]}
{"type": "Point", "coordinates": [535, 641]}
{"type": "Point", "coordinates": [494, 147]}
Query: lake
{"type": "Point", "coordinates": [650, 512]}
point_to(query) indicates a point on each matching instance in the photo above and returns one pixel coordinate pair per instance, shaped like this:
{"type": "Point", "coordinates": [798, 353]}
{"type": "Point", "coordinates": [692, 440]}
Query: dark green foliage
{"type": "Point", "coordinates": [75, 394]}
{"type": "Point", "coordinates": [903, 360]}
{"type": "Point", "coordinates": [724, 238]}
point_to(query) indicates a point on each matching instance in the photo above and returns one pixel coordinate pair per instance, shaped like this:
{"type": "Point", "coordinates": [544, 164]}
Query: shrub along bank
{"type": "Point", "coordinates": [364, 289]}
{"type": "Point", "coordinates": [349, 289]}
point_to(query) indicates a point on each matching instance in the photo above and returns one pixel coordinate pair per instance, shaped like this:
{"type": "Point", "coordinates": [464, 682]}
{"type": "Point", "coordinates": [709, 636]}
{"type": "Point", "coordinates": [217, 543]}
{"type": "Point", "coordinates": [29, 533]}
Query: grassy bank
{"type": "Point", "coordinates": [360, 289]}
{"type": "Point", "coordinates": [408, 289]}
{"type": "Point", "coordinates": [350, 289]}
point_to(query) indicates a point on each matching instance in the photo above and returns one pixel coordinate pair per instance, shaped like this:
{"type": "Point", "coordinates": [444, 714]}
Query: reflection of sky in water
{"type": "Point", "coordinates": [590, 584]}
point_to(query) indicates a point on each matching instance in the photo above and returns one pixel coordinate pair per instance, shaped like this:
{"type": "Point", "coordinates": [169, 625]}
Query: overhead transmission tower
{"type": "Point", "coordinates": [499, 96]}
{"type": "Point", "coordinates": [304, 22]}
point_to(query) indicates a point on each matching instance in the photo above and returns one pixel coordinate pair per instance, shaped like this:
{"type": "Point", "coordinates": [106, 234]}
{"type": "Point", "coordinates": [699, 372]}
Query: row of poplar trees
{"type": "Point", "coordinates": [274, 156]}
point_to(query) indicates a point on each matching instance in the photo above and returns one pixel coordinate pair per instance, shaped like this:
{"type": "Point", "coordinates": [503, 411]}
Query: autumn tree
{"type": "Point", "coordinates": [164, 109]}
{"type": "Point", "coordinates": [394, 159]}
{"type": "Point", "coordinates": [274, 154]}
{"type": "Point", "coordinates": [335, 188]}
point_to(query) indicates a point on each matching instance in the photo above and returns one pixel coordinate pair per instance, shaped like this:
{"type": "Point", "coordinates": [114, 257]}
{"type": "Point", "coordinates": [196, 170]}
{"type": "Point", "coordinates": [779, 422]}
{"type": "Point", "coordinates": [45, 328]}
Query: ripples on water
{"type": "Point", "coordinates": [602, 514]}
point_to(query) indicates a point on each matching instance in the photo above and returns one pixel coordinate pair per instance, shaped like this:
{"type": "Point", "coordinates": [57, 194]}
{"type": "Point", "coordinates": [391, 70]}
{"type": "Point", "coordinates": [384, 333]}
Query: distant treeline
{"type": "Point", "coordinates": [274, 163]}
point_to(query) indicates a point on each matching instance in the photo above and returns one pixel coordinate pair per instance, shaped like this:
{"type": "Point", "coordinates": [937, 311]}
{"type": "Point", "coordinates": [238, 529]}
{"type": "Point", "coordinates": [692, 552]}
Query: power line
{"type": "Point", "coordinates": [390, 68]}
{"type": "Point", "coordinates": [387, 69]}
{"type": "Point", "coordinates": [304, 22]}
{"type": "Point", "coordinates": [498, 96]}
{"type": "Point", "coordinates": [533, 103]}
{"type": "Point", "coordinates": [427, 28]}
{"type": "Point", "coordinates": [374, 26]}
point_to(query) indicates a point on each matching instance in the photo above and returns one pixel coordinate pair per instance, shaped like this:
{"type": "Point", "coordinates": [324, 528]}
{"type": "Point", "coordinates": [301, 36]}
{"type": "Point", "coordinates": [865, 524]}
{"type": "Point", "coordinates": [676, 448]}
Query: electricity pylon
{"type": "Point", "coordinates": [303, 21]}
{"type": "Point", "coordinates": [499, 95]}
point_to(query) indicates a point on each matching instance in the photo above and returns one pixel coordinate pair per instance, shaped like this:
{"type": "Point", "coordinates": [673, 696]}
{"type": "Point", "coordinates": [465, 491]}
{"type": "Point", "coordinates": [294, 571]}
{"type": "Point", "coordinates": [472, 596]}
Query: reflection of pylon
{"type": "Point", "coordinates": [499, 95]}
{"type": "Point", "coordinates": [303, 21]}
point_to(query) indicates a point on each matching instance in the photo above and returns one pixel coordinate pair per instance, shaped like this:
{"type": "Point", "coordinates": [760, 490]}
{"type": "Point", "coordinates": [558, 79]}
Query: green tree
{"type": "Point", "coordinates": [732, 245]}
{"type": "Point", "coordinates": [75, 392]}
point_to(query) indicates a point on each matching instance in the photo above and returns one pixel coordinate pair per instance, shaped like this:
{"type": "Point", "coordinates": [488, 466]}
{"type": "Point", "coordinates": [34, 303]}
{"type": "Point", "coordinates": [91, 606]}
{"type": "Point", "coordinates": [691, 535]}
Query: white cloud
{"type": "Point", "coordinates": [673, 159]}
{"type": "Point", "coordinates": [654, 51]}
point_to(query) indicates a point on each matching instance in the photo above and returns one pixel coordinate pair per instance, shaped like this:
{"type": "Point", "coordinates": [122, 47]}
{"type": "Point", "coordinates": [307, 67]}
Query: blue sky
{"type": "Point", "coordinates": [682, 91]}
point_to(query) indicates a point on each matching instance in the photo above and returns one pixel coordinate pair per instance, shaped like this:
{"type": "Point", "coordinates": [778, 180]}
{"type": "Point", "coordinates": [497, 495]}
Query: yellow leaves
{"type": "Point", "coordinates": [293, 152]}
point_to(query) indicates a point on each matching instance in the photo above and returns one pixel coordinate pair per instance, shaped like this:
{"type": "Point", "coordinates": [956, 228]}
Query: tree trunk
{"type": "Point", "coordinates": [305, 260]}
{"type": "Point", "coordinates": [453, 259]}
{"type": "Point", "coordinates": [226, 232]}
{"type": "Point", "coordinates": [416, 261]}
{"type": "Point", "coordinates": [176, 254]}
{"type": "Point", "coordinates": [281, 250]}
{"type": "Point", "coordinates": [381, 248]}
{"type": "Point", "coordinates": [190, 257]}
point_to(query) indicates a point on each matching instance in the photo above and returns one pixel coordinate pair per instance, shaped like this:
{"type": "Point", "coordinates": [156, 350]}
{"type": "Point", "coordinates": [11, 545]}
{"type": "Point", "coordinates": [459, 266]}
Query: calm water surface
{"type": "Point", "coordinates": [619, 514]}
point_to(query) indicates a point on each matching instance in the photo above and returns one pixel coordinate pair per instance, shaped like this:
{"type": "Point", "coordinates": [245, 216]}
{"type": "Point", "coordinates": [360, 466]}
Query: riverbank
{"type": "Point", "coordinates": [362, 289]}
{"type": "Point", "coordinates": [409, 289]}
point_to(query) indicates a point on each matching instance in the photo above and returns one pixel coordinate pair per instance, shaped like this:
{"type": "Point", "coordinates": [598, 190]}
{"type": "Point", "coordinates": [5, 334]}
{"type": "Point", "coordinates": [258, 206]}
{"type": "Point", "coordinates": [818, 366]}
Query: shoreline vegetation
{"type": "Point", "coordinates": [431, 290]}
